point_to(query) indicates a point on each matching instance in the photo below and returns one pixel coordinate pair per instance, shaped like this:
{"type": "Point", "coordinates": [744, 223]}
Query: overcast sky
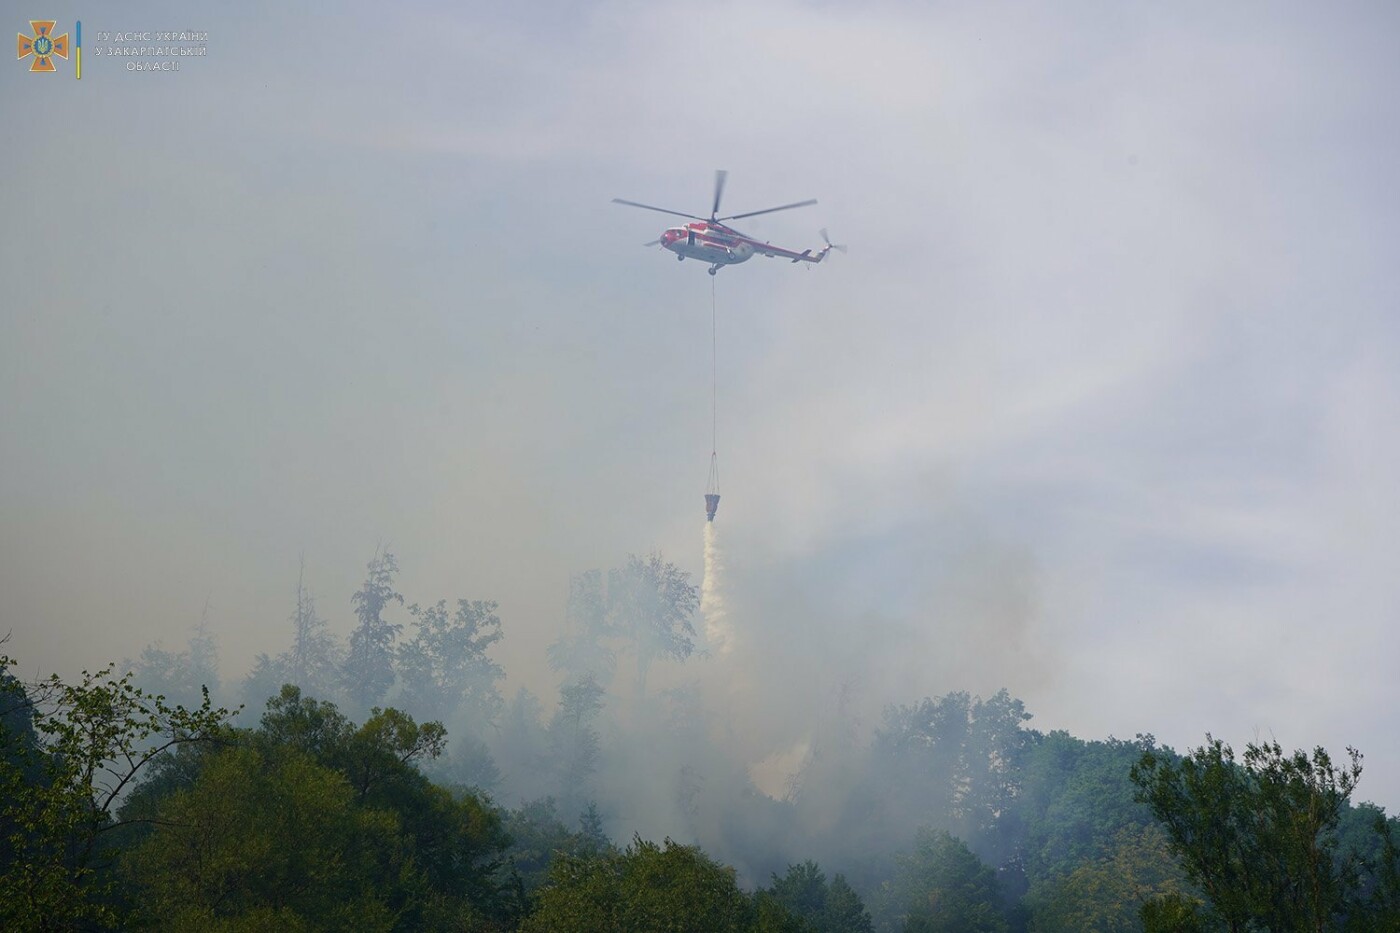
{"type": "Point", "coordinates": [1101, 406]}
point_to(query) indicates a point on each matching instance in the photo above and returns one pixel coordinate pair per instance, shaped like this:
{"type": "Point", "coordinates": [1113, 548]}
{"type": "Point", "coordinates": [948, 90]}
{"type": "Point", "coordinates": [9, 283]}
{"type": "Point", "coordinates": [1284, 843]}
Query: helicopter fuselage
{"type": "Point", "coordinates": [708, 242]}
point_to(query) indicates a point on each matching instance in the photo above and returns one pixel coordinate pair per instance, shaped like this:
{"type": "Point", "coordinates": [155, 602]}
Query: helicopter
{"type": "Point", "coordinates": [715, 242]}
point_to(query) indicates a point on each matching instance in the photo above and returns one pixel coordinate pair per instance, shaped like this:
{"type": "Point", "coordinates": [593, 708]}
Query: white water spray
{"type": "Point", "coordinates": [718, 631]}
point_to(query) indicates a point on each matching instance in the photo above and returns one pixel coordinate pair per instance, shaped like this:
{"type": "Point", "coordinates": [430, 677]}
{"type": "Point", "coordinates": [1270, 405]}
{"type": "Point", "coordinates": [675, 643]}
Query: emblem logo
{"type": "Point", "coordinates": [43, 45]}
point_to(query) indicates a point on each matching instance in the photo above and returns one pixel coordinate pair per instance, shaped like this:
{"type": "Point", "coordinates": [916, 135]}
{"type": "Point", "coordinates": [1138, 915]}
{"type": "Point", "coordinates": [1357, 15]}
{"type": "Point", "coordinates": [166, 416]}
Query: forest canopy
{"type": "Point", "coordinates": [387, 784]}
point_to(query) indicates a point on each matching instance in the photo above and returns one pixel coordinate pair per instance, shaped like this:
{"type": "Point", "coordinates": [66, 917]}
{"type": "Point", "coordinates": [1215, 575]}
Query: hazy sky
{"type": "Point", "coordinates": [1101, 406]}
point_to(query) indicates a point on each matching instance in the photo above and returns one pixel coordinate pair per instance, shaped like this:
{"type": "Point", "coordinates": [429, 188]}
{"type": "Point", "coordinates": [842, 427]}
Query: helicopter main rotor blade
{"type": "Point", "coordinates": [660, 209]}
{"type": "Point", "coordinates": [769, 210]}
{"type": "Point", "coordinates": [653, 243]}
{"type": "Point", "coordinates": [720, 176]}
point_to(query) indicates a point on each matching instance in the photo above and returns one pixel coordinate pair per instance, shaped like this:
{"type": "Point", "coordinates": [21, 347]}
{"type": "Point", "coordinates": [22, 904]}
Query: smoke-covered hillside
{"type": "Point", "coordinates": [404, 722]}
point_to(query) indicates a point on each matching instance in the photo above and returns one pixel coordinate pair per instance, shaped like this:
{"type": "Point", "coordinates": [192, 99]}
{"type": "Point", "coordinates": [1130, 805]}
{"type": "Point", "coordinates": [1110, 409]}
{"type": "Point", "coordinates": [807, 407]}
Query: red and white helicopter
{"type": "Point", "coordinates": [719, 244]}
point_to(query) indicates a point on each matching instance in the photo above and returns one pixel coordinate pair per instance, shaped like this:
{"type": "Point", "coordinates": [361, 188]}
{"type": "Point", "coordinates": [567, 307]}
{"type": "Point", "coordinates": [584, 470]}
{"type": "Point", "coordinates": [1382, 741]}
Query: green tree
{"type": "Point", "coordinates": [822, 908]}
{"type": "Point", "coordinates": [952, 762]}
{"type": "Point", "coordinates": [844, 911]}
{"type": "Point", "coordinates": [313, 726]}
{"type": "Point", "coordinates": [312, 661]}
{"type": "Point", "coordinates": [368, 671]}
{"type": "Point", "coordinates": [1259, 838]}
{"type": "Point", "coordinates": [314, 656]}
{"type": "Point", "coordinates": [264, 680]}
{"type": "Point", "coordinates": [537, 836]}
{"type": "Point", "coordinates": [439, 861]}
{"type": "Point", "coordinates": [269, 839]}
{"type": "Point", "coordinates": [445, 668]}
{"type": "Point", "coordinates": [650, 605]}
{"type": "Point", "coordinates": [1076, 799]}
{"type": "Point", "coordinates": [1379, 902]}
{"type": "Point", "coordinates": [583, 650]}
{"type": "Point", "coordinates": [648, 887]}
{"type": "Point", "coordinates": [203, 652]}
{"type": "Point", "coordinates": [646, 605]}
{"type": "Point", "coordinates": [1107, 894]}
{"type": "Point", "coordinates": [1175, 913]}
{"type": "Point", "coordinates": [770, 916]}
{"type": "Point", "coordinates": [21, 767]}
{"type": "Point", "coordinates": [456, 839]}
{"type": "Point", "coordinates": [942, 887]}
{"type": "Point", "coordinates": [802, 890]}
{"type": "Point", "coordinates": [377, 755]}
{"type": "Point", "coordinates": [522, 748]}
{"type": "Point", "coordinates": [592, 838]}
{"type": "Point", "coordinates": [179, 676]}
{"type": "Point", "coordinates": [90, 742]}
{"type": "Point", "coordinates": [573, 742]}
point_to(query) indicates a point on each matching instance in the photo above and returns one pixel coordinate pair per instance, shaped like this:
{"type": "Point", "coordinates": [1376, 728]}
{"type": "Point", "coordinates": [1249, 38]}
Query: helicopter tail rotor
{"type": "Point", "coordinates": [839, 247]}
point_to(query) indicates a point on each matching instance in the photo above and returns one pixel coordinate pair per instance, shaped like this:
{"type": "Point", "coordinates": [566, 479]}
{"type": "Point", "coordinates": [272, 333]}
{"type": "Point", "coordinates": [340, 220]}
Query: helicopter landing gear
{"type": "Point", "coordinates": [714, 269]}
{"type": "Point", "coordinates": [680, 258]}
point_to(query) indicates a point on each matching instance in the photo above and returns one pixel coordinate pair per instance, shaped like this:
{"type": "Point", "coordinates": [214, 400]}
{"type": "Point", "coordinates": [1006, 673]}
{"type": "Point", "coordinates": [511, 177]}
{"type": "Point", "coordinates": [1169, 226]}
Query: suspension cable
{"type": "Point", "coordinates": [712, 486]}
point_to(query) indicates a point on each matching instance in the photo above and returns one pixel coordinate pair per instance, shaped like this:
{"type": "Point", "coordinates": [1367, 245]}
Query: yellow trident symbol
{"type": "Point", "coordinates": [43, 46]}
